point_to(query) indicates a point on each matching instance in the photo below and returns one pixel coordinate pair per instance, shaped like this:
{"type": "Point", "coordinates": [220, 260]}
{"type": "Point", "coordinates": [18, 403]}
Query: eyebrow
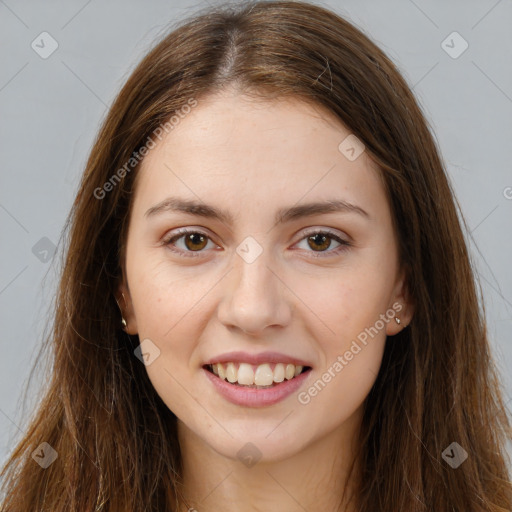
{"type": "Point", "coordinates": [192, 207]}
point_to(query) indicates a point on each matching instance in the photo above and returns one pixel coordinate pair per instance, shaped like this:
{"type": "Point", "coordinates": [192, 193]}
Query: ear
{"type": "Point", "coordinates": [402, 305]}
{"type": "Point", "coordinates": [124, 302]}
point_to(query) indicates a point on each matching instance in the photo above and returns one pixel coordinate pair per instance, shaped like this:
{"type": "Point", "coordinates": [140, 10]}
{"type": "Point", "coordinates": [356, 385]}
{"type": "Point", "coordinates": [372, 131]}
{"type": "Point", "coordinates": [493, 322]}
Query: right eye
{"type": "Point", "coordinates": [194, 241]}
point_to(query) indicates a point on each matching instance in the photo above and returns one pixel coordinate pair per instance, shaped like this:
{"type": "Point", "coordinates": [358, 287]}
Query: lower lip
{"type": "Point", "coordinates": [253, 397]}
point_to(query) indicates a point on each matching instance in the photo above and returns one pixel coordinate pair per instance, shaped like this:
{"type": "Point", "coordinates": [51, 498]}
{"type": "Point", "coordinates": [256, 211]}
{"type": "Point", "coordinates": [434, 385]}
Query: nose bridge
{"type": "Point", "coordinates": [254, 297]}
{"type": "Point", "coordinates": [253, 276]}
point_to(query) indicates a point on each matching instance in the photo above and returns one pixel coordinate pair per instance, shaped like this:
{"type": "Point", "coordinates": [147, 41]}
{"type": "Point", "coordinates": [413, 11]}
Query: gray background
{"type": "Point", "coordinates": [50, 111]}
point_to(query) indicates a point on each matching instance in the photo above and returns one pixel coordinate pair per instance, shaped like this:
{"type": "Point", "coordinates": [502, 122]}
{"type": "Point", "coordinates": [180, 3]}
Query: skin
{"type": "Point", "coordinates": [253, 158]}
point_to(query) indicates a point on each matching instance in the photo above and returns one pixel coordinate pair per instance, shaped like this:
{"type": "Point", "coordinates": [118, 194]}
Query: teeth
{"type": "Point", "coordinates": [279, 372]}
{"type": "Point", "coordinates": [245, 375]}
{"type": "Point", "coordinates": [231, 372]}
{"type": "Point", "coordinates": [264, 376]}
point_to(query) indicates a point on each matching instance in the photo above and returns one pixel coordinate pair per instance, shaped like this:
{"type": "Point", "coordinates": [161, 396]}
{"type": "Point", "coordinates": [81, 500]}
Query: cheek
{"type": "Point", "coordinates": [165, 299]}
{"type": "Point", "coordinates": [349, 309]}
{"type": "Point", "coordinates": [170, 313]}
{"type": "Point", "coordinates": [347, 302]}
{"type": "Point", "coordinates": [351, 345]}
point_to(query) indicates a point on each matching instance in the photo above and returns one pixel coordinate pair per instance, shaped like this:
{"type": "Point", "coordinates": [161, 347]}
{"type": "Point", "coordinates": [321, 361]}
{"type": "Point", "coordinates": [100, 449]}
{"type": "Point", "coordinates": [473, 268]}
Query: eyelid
{"type": "Point", "coordinates": [329, 231]}
{"type": "Point", "coordinates": [343, 239]}
{"type": "Point", "coordinates": [179, 233]}
{"type": "Point", "coordinates": [304, 233]}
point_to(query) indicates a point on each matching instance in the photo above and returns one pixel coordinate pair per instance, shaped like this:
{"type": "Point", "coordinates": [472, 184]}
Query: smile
{"type": "Point", "coordinates": [261, 376]}
{"type": "Point", "coordinates": [255, 386]}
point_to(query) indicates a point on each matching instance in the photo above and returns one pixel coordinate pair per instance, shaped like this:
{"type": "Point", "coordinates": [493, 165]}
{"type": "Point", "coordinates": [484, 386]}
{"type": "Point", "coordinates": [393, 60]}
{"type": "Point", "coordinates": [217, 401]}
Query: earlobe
{"type": "Point", "coordinates": [402, 307]}
{"type": "Point", "coordinates": [127, 316]}
{"type": "Point", "coordinates": [402, 317]}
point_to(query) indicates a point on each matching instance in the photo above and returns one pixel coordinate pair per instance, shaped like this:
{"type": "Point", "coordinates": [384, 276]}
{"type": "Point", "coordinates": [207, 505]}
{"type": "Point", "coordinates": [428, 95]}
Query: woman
{"type": "Point", "coordinates": [267, 302]}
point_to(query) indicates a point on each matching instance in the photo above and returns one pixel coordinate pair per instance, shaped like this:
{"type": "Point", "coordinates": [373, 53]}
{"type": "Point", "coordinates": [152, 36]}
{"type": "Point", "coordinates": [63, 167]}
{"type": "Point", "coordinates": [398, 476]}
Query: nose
{"type": "Point", "coordinates": [254, 297]}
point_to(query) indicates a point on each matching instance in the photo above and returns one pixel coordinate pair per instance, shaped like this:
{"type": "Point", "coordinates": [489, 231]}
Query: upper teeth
{"type": "Point", "coordinates": [262, 376]}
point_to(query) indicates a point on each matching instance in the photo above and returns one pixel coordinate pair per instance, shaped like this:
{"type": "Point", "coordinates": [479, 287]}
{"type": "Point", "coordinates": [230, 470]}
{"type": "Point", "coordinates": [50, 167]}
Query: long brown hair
{"type": "Point", "coordinates": [116, 440]}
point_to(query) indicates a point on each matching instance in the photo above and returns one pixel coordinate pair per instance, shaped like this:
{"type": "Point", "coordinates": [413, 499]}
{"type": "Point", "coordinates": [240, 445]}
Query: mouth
{"type": "Point", "coordinates": [263, 376]}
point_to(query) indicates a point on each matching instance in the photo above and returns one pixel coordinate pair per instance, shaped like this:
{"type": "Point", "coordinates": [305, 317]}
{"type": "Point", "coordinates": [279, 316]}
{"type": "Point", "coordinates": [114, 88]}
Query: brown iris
{"type": "Point", "coordinates": [319, 239]}
{"type": "Point", "coordinates": [195, 241]}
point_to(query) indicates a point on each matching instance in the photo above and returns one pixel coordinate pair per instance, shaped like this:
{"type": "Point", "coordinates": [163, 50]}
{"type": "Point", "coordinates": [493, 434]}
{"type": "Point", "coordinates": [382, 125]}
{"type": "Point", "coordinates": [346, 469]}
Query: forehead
{"type": "Point", "coordinates": [234, 148]}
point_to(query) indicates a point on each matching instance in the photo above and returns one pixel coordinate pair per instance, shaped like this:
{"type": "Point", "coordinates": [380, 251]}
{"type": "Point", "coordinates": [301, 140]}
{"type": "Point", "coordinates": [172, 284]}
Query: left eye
{"type": "Point", "coordinates": [322, 240]}
{"type": "Point", "coordinates": [196, 241]}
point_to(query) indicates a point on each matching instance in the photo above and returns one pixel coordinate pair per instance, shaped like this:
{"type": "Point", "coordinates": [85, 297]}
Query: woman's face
{"type": "Point", "coordinates": [263, 271]}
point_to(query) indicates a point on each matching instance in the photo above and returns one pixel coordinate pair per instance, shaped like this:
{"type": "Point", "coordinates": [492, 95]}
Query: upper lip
{"type": "Point", "coordinates": [256, 359]}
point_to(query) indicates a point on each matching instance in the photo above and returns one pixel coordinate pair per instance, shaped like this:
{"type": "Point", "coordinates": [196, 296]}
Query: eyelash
{"type": "Point", "coordinates": [168, 241]}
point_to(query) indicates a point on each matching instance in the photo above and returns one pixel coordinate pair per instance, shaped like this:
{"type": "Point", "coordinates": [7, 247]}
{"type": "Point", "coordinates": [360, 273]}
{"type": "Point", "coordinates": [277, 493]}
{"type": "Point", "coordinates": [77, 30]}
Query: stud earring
{"type": "Point", "coordinates": [397, 320]}
{"type": "Point", "coordinates": [123, 321]}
